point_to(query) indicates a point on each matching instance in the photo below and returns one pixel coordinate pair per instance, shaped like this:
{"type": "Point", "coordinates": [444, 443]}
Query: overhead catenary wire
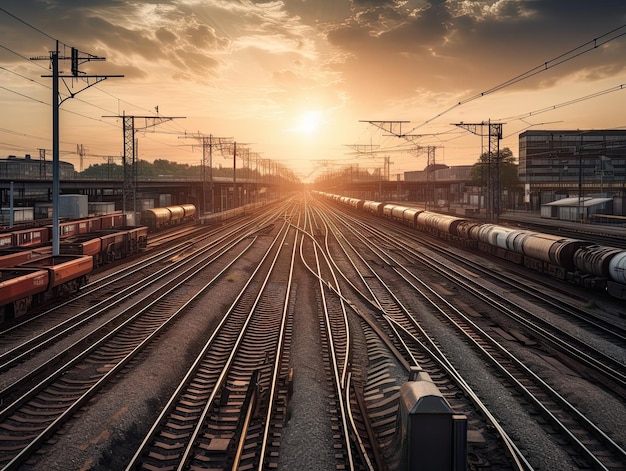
{"type": "Point", "coordinates": [560, 59]}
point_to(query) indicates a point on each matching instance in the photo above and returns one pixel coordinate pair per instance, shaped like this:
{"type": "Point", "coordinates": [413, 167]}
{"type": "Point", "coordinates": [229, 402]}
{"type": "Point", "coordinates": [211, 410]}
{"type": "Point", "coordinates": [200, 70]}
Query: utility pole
{"type": "Point", "coordinates": [430, 168]}
{"type": "Point", "coordinates": [42, 164]}
{"type": "Point", "coordinates": [80, 150]}
{"type": "Point", "coordinates": [231, 148]}
{"type": "Point", "coordinates": [493, 159]}
{"type": "Point", "coordinates": [77, 58]}
{"type": "Point", "coordinates": [208, 143]}
{"type": "Point", "coordinates": [129, 192]}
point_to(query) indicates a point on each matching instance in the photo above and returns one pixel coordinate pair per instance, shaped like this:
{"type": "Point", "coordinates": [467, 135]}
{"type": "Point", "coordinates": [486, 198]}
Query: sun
{"type": "Point", "coordinates": [309, 122]}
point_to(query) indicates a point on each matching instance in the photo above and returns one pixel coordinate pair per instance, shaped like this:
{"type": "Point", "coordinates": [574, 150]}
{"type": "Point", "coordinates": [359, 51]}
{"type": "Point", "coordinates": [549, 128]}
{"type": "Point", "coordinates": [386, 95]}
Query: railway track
{"type": "Point", "coordinates": [391, 318]}
{"type": "Point", "coordinates": [227, 411]}
{"type": "Point", "coordinates": [356, 447]}
{"type": "Point", "coordinates": [96, 301]}
{"type": "Point", "coordinates": [595, 447]}
{"type": "Point", "coordinates": [378, 311]}
{"type": "Point", "coordinates": [64, 383]}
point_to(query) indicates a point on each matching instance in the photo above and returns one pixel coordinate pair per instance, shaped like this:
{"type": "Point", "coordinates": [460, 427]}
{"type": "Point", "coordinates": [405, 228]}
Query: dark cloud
{"type": "Point", "coordinates": [119, 30]}
{"type": "Point", "coordinates": [394, 50]}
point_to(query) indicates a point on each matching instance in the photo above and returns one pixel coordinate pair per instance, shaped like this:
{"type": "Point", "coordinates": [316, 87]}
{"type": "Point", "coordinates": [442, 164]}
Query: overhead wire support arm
{"type": "Point", "coordinates": [363, 148]}
{"type": "Point", "coordinates": [392, 127]}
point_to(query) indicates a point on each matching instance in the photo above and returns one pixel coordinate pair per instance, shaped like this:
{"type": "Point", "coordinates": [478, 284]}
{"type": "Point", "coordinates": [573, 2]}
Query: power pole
{"type": "Point", "coordinates": [129, 160]}
{"type": "Point", "coordinates": [493, 160]}
{"type": "Point", "coordinates": [42, 164]}
{"type": "Point", "coordinates": [80, 150]}
{"type": "Point", "coordinates": [208, 143]}
{"type": "Point", "coordinates": [77, 58]}
{"type": "Point", "coordinates": [430, 166]}
{"type": "Point", "coordinates": [231, 148]}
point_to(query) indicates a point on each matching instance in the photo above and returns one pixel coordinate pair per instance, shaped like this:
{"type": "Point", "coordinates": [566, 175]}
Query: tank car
{"type": "Point", "coordinates": [467, 231]}
{"type": "Point", "coordinates": [409, 216]}
{"type": "Point", "coordinates": [177, 214]}
{"type": "Point", "coordinates": [155, 218]}
{"type": "Point", "coordinates": [373, 207]}
{"type": "Point", "coordinates": [606, 264]}
{"type": "Point", "coordinates": [397, 212]}
{"type": "Point", "coordinates": [441, 225]}
{"type": "Point", "coordinates": [190, 211]}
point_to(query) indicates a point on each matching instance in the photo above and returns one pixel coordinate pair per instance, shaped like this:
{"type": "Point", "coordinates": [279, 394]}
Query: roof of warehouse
{"type": "Point", "coordinates": [575, 201]}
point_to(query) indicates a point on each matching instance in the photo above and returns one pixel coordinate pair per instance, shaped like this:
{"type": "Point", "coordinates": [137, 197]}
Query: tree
{"type": "Point", "coordinates": [508, 169]}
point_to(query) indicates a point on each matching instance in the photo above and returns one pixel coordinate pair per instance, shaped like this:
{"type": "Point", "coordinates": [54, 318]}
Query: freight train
{"type": "Point", "coordinates": [40, 280]}
{"type": "Point", "coordinates": [577, 261]}
{"type": "Point", "coordinates": [159, 218]}
{"type": "Point", "coordinates": [37, 236]}
{"type": "Point", "coordinates": [30, 275]}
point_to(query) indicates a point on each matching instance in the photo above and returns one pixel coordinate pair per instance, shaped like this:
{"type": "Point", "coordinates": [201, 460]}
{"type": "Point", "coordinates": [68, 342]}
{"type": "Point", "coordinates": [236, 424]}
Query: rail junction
{"type": "Point", "coordinates": [306, 333]}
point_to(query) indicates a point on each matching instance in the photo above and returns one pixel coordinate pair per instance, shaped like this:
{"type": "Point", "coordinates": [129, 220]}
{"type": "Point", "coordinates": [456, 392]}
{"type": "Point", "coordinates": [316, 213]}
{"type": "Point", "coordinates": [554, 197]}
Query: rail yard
{"type": "Point", "coordinates": [294, 337]}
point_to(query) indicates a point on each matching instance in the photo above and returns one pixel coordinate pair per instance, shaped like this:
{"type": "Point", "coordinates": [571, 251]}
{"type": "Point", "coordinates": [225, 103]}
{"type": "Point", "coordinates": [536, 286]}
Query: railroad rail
{"type": "Point", "coordinates": [577, 428]}
{"type": "Point", "coordinates": [222, 412]}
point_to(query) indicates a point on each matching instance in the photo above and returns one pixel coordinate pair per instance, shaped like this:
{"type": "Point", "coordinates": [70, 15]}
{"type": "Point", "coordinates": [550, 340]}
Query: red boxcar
{"type": "Point", "coordinates": [67, 272]}
{"type": "Point", "coordinates": [6, 240]}
{"type": "Point", "coordinates": [85, 226]}
{"type": "Point", "coordinates": [33, 236]}
{"type": "Point", "coordinates": [110, 221]}
{"type": "Point", "coordinates": [18, 287]}
{"type": "Point", "coordinates": [15, 256]}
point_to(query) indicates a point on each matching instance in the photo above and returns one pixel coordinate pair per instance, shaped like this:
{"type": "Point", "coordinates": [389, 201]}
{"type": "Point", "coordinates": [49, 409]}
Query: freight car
{"type": "Point", "coordinates": [159, 218]}
{"type": "Point", "coordinates": [14, 256]}
{"type": "Point", "coordinates": [107, 245]}
{"type": "Point", "coordinates": [573, 260]}
{"type": "Point", "coordinates": [40, 280]}
{"type": "Point", "coordinates": [41, 235]}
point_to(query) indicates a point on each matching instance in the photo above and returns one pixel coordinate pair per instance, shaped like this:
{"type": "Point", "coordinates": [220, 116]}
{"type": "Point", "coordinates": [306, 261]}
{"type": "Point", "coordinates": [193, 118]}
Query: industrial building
{"type": "Point", "coordinates": [560, 164]}
{"type": "Point", "coordinates": [21, 168]}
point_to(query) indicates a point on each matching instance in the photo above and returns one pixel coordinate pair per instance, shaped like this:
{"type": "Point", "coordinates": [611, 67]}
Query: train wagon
{"type": "Point", "coordinates": [14, 256]}
{"type": "Point", "coordinates": [40, 280]}
{"type": "Point", "coordinates": [6, 240]}
{"type": "Point", "coordinates": [18, 287]}
{"type": "Point", "coordinates": [67, 272]}
{"type": "Point", "coordinates": [31, 237]}
{"type": "Point", "coordinates": [158, 218]}
{"type": "Point", "coordinates": [177, 214]}
{"type": "Point", "coordinates": [110, 221]}
{"type": "Point", "coordinates": [107, 245]}
{"type": "Point", "coordinates": [137, 238]}
{"type": "Point", "coordinates": [190, 211]}
{"type": "Point", "coordinates": [155, 218]}
{"type": "Point", "coordinates": [85, 226]}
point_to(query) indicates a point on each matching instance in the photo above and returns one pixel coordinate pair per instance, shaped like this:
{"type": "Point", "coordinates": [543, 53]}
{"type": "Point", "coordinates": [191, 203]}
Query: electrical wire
{"type": "Point", "coordinates": [562, 58]}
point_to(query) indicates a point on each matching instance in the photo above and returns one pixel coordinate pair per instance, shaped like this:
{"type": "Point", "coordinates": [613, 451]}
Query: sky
{"type": "Point", "coordinates": [315, 85]}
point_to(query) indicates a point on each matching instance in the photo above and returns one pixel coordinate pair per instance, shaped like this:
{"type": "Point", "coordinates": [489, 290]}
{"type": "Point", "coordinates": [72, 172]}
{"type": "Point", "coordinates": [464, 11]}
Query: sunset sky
{"type": "Point", "coordinates": [295, 80]}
